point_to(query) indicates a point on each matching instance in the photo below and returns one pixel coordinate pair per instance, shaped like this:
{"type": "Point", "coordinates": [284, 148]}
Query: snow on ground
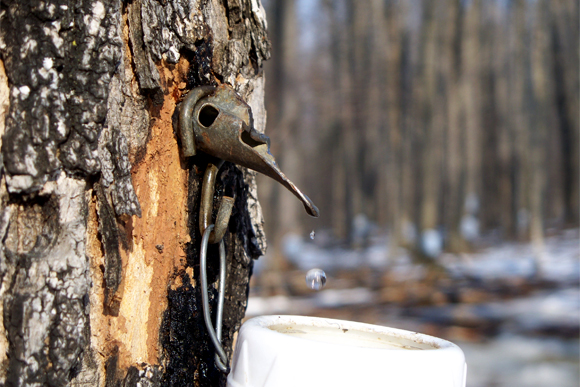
{"type": "Point", "coordinates": [560, 308]}
{"type": "Point", "coordinates": [558, 260]}
{"type": "Point", "coordinates": [328, 298]}
{"type": "Point", "coordinates": [306, 255]}
{"type": "Point", "coordinates": [517, 361]}
{"type": "Point", "coordinates": [546, 310]}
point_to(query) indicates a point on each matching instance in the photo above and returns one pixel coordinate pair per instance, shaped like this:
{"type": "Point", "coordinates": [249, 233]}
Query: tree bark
{"type": "Point", "coordinates": [98, 209]}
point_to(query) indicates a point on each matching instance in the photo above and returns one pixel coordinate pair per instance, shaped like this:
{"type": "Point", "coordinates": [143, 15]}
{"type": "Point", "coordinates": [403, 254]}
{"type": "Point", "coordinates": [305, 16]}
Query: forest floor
{"type": "Point", "coordinates": [514, 312]}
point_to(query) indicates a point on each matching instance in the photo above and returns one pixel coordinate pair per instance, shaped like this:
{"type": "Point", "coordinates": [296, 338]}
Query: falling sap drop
{"type": "Point", "coordinates": [312, 234]}
{"type": "Point", "coordinates": [316, 279]}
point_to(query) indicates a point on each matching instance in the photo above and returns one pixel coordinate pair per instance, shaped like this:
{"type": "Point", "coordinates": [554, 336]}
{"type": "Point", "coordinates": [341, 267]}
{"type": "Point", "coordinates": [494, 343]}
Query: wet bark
{"type": "Point", "coordinates": [98, 209]}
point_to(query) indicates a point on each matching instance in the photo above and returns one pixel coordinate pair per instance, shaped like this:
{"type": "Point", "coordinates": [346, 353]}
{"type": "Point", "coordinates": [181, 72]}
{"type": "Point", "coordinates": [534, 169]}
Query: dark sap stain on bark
{"type": "Point", "coordinates": [111, 245]}
{"type": "Point", "coordinates": [200, 72]}
{"type": "Point", "coordinates": [188, 353]}
{"type": "Point", "coordinates": [111, 369]}
{"type": "Point", "coordinates": [186, 345]}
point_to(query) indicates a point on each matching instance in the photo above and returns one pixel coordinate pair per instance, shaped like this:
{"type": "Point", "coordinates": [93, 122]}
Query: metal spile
{"type": "Point", "coordinates": [218, 122]}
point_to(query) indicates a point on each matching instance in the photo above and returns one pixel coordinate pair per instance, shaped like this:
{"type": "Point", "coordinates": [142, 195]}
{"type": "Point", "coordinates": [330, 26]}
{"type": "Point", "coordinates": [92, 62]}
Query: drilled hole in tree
{"type": "Point", "coordinates": [207, 115]}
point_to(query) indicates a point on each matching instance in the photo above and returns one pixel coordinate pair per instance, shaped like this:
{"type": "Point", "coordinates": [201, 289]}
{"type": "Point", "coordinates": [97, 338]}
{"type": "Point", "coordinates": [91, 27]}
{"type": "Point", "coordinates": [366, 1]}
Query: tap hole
{"type": "Point", "coordinates": [207, 115]}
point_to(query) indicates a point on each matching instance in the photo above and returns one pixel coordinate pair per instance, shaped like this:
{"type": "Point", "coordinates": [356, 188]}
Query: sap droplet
{"type": "Point", "coordinates": [312, 234]}
{"type": "Point", "coordinates": [316, 279]}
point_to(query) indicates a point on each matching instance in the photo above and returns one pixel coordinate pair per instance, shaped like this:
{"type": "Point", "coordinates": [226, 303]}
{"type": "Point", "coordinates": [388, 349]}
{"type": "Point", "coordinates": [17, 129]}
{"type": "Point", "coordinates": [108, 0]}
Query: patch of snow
{"type": "Point", "coordinates": [546, 309]}
{"type": "Point", "coordinates": [334, 298]}
{"type": "Point", "coordinates": [307, 254]}
{"type": "Point", "coordinates": [516, 361]}
{"type": "Point", "coordinates": [328, 298]}
{"type": "Point", "coordinates": [469, 227]}
{"type": "Point", "coordinates": [560, 261]}
{"type": "Point", "coordinates": [260, 306]}
{"type": "Point", "coordinates": [431, 243]}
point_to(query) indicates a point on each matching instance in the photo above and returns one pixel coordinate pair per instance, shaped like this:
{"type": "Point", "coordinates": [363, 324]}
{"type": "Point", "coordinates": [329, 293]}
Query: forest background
{"type": "Point", "coordinates": [438, 121]}
{"type": "Point", "coordinates": [439, 138]}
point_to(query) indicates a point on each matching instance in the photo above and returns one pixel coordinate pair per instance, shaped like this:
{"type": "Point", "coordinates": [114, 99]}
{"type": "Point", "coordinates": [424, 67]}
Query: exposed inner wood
{"type": "Point", "coordinates": [156, 240]}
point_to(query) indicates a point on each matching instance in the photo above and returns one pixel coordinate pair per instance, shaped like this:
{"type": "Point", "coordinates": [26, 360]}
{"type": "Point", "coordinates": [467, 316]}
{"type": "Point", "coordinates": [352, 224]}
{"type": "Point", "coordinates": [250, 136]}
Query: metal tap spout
{"type": "Point", "coordinates": [222, 125]}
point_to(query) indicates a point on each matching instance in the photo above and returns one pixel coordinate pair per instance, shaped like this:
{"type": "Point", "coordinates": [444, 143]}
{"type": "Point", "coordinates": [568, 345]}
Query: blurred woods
{"type": "Point", "coordinates": [439, 121]}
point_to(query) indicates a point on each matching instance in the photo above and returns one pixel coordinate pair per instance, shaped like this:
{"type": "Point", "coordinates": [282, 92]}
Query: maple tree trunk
{"type": "Point", "coordinates": [99, 264]}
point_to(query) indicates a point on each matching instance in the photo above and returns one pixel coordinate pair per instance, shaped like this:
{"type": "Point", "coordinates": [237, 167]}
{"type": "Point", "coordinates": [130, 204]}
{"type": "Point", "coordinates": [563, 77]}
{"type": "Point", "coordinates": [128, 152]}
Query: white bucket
{"type": "Point", "coordinates": [277, 351]}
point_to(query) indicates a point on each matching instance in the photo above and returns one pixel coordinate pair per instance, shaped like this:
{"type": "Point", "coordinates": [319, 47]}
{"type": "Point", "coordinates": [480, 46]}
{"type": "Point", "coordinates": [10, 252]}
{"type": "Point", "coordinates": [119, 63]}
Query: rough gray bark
{"type": "Point", "coordinates": [85, 84]}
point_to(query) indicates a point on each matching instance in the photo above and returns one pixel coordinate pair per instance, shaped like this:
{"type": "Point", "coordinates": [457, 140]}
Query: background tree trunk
{"type": "Point", "coordinates": [99, 261]}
